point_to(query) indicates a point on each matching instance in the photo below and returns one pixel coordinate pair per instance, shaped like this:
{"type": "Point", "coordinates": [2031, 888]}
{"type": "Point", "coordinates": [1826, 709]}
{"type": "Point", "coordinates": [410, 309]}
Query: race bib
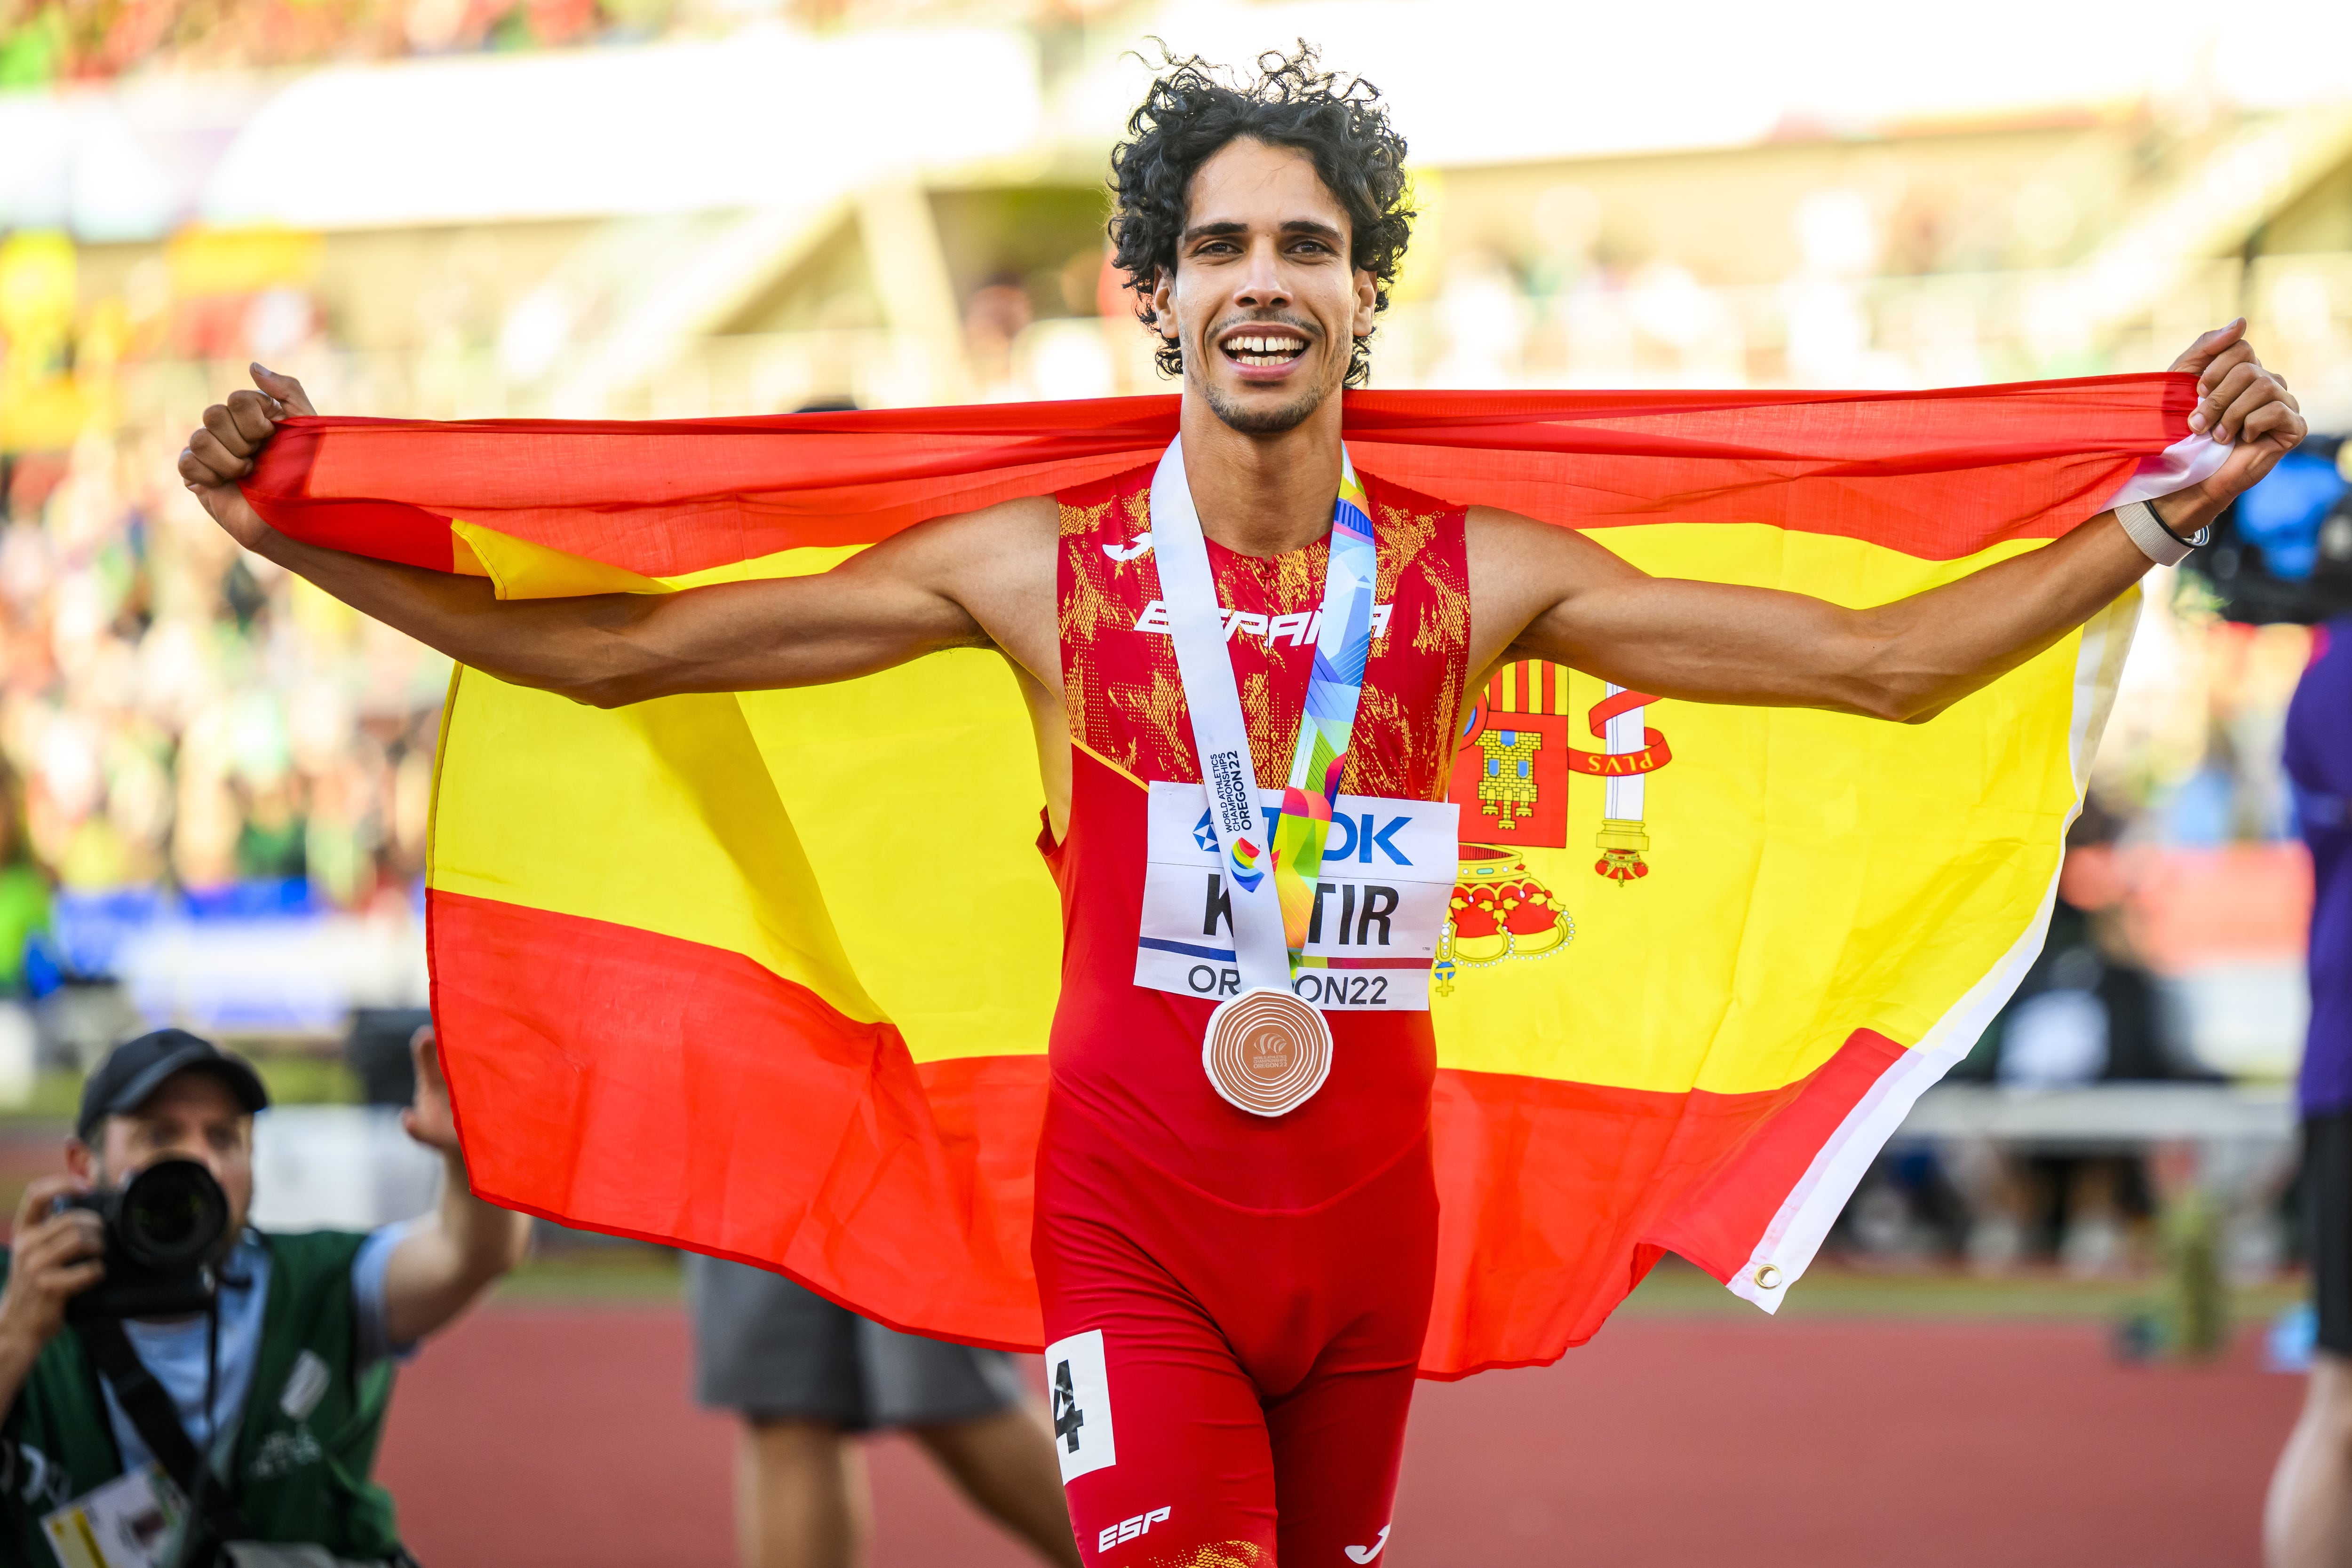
{"type": "Point", "coordinates": [1379, 902]}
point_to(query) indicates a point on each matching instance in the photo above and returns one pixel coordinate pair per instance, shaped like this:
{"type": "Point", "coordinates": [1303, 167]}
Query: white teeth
{"type": "Point", "coordinates": [1279, 347]}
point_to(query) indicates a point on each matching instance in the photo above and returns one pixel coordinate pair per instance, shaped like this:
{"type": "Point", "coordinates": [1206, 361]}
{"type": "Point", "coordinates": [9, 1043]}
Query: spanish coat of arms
{"type": "Point", "coordinates": [1510, 779]}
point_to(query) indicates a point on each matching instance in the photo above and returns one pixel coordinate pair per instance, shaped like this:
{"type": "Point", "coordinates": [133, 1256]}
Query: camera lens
{"type": "Point", "coordinates": [172, 1214]}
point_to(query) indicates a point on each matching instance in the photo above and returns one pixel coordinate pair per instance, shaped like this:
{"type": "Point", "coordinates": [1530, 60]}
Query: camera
{"type": "Point", "coordinates": [2282, 551]}
{"type": "Point", "coordinates": [163, 1233]}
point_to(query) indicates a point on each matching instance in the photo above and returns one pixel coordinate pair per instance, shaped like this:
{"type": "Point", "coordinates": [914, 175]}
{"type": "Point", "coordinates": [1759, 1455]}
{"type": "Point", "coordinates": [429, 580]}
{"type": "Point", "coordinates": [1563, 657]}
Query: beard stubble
{"type": "Point", "coordinates": [1265, 421]}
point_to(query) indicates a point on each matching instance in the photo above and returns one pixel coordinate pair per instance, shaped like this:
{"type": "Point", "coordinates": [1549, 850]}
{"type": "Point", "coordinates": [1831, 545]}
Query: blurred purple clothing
{"type": "Point", "coordinates": [2319, 765]}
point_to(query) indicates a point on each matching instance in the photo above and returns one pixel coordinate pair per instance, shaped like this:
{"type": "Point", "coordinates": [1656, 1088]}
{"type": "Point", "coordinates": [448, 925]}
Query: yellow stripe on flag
{"type": "Point", "coordinates": [914, 793]}
{"type": "Point", "coordinates": [521, 569]}
{"type": "Point", "coordinates": [917, 793]}
{"type": "Point", "coordinates": [1811, 873]}
{"type": "Point", "coordinates": [660, 815]}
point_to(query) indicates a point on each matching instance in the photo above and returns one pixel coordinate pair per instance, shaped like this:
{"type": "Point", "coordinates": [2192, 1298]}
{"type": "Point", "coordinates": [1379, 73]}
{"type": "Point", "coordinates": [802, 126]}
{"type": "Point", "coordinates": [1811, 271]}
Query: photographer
{"type": "Point", "coordinates": [134, 1438]}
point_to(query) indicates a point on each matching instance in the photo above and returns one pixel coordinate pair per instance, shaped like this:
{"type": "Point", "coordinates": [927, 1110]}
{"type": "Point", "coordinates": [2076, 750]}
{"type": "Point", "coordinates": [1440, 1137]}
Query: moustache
{"type": "Point", "coordinates": [1313, 333]}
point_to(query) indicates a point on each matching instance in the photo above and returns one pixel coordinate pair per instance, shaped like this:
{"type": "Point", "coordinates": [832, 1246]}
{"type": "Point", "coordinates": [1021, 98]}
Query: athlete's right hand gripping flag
{"type": "Point", "coordinates": [769, 976]}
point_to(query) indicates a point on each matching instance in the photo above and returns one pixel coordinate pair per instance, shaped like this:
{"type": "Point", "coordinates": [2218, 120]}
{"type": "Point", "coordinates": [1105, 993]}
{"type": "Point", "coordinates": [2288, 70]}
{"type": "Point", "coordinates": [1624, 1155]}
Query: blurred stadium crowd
{"type": "Point", "coordinates": [45, 41]}
{"type": "Point", "coordinates": [175, 709]}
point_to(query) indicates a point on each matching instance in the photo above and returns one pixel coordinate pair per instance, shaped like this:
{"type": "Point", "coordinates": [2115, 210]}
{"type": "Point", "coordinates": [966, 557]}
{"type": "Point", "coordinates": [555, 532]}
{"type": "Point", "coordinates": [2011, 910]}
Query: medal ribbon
{"type": "Point", "coordinates": [1271, 883]}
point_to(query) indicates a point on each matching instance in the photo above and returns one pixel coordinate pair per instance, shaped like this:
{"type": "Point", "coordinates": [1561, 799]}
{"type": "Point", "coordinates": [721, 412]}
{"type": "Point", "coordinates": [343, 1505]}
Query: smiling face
{"type": "Point", "coordinates": [1263, 298]}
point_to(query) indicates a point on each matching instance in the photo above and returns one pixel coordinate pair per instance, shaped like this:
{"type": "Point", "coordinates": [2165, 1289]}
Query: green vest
{"type": "Point", "coordinates": [295, 1478]}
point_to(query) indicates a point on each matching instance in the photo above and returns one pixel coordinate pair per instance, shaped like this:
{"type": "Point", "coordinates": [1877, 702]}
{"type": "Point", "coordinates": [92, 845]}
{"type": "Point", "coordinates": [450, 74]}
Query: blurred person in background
{"type": "Point", "coordinates": [994, 319]}
{"type": "Point", "coordinates": [24, 888]}
{"type": "Point", "coordinates": [2088, 1011]}
{"type": "Point", "coordinates": [258, 1420]}
{"type": "Point", "coordinates": [807, 1376]}
{"type": "Point", "coordinates": [2308, 1522]}
{"type": "Point", "coordinates": [24, 918]}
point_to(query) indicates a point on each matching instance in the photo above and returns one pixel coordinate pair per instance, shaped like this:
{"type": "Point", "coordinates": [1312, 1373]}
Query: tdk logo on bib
{"type": "Point", "coordinates": [1380, 901]}
{"type": "Point", "coordinates": [1355, 835]}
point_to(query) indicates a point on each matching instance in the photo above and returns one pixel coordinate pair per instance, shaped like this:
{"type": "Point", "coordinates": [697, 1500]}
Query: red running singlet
{"type": "Point", "coordinates": [1236, 1303]}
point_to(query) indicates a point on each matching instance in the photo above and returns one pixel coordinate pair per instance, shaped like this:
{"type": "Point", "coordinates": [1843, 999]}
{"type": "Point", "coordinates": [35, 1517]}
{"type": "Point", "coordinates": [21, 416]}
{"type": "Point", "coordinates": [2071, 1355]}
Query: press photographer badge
{"type": "Point", "coordinates": [131, 1521]}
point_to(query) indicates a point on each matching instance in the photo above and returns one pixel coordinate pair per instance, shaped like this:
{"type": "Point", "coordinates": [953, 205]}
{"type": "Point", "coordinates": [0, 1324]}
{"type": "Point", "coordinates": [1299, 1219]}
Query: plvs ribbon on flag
{"type": "Point", "coordinates": [1502, 752]}
{"type": "Point", "coordinates": [769, 975]}
{"type": "Point", "coordinates": [1654, 753]}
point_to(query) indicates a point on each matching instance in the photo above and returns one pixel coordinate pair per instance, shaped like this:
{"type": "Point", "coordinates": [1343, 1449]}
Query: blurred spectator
{"type": "Point", "coordinates": [2088, 1011]}
{"type": "Point", "coordinates": [378, 1052]}
{"type": "Point", "coordinates": [1905, 1208]}
{"type": "Point", "coordinates": [806, 1376]}
{"type": "Point", "coordinates": [24, 888]}
{"type": "Point", "coordinates": [2308, 1522]}
{"type": "Point", "coordinates": [24, 917]}
{"type": "Point", "coordinates": [1483, 318]}
{"type": "Point", "coordinates": [994, 315]}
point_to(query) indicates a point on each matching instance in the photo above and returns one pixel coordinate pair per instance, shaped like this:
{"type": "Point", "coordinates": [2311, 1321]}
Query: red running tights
{"type": "Point", "coordinates": [1229, 1385]}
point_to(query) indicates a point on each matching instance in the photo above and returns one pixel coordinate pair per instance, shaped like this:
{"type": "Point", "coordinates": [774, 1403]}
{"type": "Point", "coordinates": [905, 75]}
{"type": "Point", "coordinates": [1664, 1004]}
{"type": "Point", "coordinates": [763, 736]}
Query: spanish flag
{"type": "Point", "coordinates": [769, 975]}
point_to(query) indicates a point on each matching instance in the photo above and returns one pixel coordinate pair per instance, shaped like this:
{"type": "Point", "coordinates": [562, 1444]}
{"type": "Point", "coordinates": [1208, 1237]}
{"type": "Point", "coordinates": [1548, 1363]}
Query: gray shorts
{"type": "Point", "coordinates": [776, 1351]}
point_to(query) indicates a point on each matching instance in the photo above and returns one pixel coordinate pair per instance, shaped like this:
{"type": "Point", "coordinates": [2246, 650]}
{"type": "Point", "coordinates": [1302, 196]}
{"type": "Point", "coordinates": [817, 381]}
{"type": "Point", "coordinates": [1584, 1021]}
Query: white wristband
{"type": "Point", "coordinates": [2156, 541]}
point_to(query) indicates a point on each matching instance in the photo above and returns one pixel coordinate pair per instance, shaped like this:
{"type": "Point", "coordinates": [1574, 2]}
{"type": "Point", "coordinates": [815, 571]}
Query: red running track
{"type": "Point", "coordinates": [534, 1437]}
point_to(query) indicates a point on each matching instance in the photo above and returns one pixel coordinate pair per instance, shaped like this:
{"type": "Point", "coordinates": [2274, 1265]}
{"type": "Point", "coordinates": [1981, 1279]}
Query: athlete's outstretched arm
{"type": "Point", "coordinates": [1577, 604]}
{"type": "Point", "coordinates": [948, 583]}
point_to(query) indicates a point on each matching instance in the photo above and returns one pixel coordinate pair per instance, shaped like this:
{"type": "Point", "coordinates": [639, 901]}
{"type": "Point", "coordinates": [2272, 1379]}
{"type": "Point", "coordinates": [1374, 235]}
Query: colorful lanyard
{"type": "Point", "coordinates": [1271, 914]}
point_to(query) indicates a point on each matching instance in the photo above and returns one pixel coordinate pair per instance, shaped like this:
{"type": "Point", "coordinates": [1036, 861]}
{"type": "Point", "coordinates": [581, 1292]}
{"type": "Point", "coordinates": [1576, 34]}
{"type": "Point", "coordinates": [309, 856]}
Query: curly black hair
{"type": "Point", "coordinates": [1191, 113]}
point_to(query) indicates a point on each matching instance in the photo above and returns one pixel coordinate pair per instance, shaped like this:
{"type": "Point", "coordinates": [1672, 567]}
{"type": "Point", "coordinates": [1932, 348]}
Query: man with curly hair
{"type": "Point", "coordinates": [1235, 1229]}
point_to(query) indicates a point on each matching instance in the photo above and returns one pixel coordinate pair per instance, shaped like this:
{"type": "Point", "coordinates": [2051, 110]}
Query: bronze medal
{"type": "Point", "coordinates": [1267, 1051]}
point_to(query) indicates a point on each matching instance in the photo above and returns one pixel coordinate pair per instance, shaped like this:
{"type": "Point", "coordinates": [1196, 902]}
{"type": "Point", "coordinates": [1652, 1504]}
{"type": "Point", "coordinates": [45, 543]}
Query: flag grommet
{"type": "Point", "coordinates": [1766, 1277]}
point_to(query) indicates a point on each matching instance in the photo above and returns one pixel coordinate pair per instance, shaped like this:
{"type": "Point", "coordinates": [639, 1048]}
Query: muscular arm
{"type": "Point", "coordinates": [1552, 593]}
{"type": "Point", "coordinates": [1709, 641]}
{"type": "Point", "coordinates": [908, 596]}
{"type": "Point", "coordinates": [982, 579]}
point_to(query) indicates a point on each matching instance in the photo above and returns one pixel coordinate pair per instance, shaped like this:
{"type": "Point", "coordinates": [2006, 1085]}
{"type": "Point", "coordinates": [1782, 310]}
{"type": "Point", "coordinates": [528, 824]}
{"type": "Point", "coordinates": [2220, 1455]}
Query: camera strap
{"type": "Point", "coordinates": [157, 1420]}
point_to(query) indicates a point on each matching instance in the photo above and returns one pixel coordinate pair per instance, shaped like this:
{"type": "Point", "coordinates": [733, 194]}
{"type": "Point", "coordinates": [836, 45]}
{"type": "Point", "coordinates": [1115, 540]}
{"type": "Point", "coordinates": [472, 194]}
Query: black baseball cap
{"type": "Point", "coordinates": [137, 1067]}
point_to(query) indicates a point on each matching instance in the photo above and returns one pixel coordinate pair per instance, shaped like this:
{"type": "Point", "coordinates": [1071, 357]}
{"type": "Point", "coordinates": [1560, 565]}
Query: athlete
{"type": "Point", "coordinates": [1237, 1298]}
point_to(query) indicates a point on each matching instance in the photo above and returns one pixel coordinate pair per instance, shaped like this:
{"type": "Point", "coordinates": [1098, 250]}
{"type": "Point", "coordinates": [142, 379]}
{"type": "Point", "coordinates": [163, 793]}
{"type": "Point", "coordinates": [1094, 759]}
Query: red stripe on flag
{"type": "Point", "coordinates": [1937, 475]}
{"type": "Point", "coordinates": [1556, 1198]}
{"type": "Point", "coordinates": [641, 1085]}
{"type": "Point", "coordinates": [387, 530]}
{"type": "Point", "coordinates": [1719, 1226]}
